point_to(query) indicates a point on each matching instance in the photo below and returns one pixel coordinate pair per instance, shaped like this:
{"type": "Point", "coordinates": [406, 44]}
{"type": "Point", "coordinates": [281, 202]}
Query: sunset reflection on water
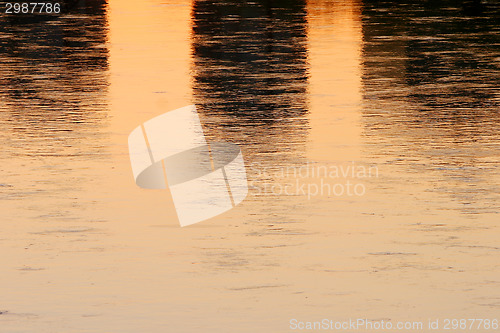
{"type": "Point", "coordinates": [407, 89]}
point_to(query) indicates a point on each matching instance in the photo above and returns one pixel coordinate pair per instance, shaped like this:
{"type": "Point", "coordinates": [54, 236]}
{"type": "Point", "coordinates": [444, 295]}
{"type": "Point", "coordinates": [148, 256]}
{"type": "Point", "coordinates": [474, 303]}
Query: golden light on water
{"type": "Point", "coordinates": [335, 42]}
{"type": "Point", "coordinates": [149, 50]}
{"type": "Point", "coordinates": [85, 249]}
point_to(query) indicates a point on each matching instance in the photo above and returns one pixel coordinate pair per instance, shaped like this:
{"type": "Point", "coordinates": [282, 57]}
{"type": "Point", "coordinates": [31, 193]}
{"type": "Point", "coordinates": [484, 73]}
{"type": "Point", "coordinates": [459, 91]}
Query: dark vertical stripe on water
{"type": "Point", "coordinates": [431, 86]}
{"type": "Point", "coordinates": [53, 73]}
{"type": "Point", "coordinates": [250, 66]}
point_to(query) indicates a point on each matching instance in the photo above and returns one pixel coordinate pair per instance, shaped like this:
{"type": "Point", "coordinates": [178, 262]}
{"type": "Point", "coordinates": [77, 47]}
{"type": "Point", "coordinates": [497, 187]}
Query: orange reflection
{"type": "Point", "coordinates": [149, 57]}
{"type": "Point", "coordinates": [335, 39]}
{"type": "Point", "coordinates": [149, 49]}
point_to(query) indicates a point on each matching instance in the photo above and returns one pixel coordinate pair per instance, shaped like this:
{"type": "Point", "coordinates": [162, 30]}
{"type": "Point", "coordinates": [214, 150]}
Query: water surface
{"type": "Point", "coordinates": [409, 88]}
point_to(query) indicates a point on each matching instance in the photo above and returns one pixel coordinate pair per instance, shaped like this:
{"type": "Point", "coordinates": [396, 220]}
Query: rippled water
{"type": "Point", "coordinates": [408, 88]}
{"type": "Point", "coordinates": [431, 91]}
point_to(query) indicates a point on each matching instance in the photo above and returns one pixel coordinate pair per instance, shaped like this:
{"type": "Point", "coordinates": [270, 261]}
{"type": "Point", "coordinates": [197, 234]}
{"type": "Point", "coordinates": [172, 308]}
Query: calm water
{"type": "Point", "coordinates": [408, 88]}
